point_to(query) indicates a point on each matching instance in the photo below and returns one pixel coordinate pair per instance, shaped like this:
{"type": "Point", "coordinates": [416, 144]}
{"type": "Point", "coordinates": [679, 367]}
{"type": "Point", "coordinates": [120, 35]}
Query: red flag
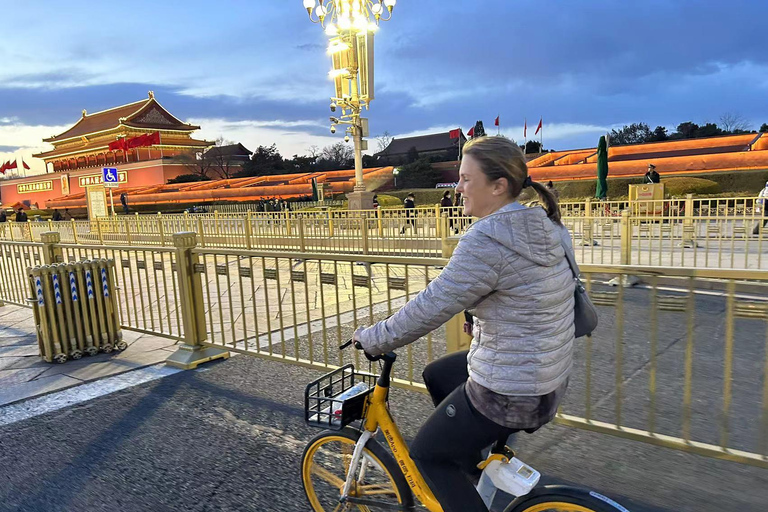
{"type": "Point", "coordinates": [496, 122]}
{"type": "Point", "coordinates": [538, 127]}
{"type": "Point", "coordinates": [471, 132]}
{"type": "Point", "coordinates": [25, 164]}
{"type": "Point", "coordinates": [14, 165]}
{"type": "Point", "coordinates": [525, 129]}
{"type": "Point", "coordinates": [116, 145]}
{"type": "Point", "coordinates": [454, 134]}
{"type": "Point", "coordinates": [3, 167]}
{"type": "Point", "coordinates": [153, 139]}
{"type": "Point", "coordinates": [137, 142]}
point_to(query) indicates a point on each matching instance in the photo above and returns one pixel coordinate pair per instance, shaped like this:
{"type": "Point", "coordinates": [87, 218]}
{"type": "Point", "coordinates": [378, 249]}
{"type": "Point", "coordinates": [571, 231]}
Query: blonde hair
{"type": "Point", "coordinates": [499, 157]}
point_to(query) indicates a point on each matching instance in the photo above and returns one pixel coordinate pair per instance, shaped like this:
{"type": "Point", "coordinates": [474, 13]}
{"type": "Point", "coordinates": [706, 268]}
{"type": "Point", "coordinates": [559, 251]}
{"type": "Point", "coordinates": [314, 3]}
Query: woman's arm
{"type": "Point", "coordinates": [471, 273]}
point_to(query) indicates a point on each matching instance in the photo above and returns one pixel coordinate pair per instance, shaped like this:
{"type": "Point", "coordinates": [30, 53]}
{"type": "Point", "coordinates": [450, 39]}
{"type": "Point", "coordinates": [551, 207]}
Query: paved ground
{"type": "Point", "coordinates": [23, 374]}
{"type": "Point", "coordinates": [230, 437]}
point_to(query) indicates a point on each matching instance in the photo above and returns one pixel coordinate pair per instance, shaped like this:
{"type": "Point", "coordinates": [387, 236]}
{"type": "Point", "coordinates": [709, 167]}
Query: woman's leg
{"type": "Point", "coordinates": [443, 375]}
{"type": "Point", "coordinates": [448, 447]}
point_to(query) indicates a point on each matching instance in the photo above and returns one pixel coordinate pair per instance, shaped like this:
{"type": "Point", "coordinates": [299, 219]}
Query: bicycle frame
{"type": "Point", "coordinates": [376, 415]}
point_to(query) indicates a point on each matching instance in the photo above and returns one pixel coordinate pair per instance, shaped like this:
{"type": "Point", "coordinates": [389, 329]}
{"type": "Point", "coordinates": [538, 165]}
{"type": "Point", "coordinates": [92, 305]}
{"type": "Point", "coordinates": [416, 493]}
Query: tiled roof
{"type": "Point", "coordinates": [422, 143]}
{"type": "Point", "coordinates": [131, 113]}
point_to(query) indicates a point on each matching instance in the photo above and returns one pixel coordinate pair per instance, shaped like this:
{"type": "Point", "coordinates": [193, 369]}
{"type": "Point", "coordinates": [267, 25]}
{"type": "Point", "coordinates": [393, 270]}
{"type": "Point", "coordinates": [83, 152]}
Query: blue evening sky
{"type": "Point", "coordinates": [255, 71]}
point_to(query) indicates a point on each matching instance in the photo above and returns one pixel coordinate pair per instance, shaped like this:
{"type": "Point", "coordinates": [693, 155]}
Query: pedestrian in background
{"type": "Point", "coordinates": [375, 201]}
{"type": "Point", "coordinates": [3, 216]}
{"type": "Point", "coordinates": [446, 202]}
{"type": "Point", "coordinates": [410, 217]}
{"type": "Point", "coordinates": [761, 205]}
{"type": "Point", "coordinates": [57, 215]}
{"type": "Point", "coordinates": [124, 202]}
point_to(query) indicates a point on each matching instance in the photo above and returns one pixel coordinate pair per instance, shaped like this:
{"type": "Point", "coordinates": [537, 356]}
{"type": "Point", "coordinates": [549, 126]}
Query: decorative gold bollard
{"type": "Point", "coordinates": [191, 352]}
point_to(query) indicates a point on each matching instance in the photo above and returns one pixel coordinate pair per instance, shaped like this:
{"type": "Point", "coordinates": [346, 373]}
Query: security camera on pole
{"type": "Point", "coordinates": [351, 25]}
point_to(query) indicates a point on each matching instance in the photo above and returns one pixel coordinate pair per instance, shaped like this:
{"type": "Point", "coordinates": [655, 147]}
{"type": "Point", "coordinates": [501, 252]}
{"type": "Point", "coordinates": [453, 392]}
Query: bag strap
{"type": "Point", "coordinates": [569, 256]}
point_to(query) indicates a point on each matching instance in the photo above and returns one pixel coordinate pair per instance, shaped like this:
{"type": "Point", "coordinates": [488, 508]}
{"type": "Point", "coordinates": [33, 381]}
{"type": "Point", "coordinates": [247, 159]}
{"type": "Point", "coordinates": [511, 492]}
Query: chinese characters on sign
{"type": "Point", "coordinates": [38, 186]}
{"type": "Point", "coordinates": [97, 179]}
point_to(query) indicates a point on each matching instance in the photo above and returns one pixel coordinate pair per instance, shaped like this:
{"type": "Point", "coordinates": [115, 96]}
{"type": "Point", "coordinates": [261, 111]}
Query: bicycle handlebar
{"type": "Point", "coordinates": [389, 356]}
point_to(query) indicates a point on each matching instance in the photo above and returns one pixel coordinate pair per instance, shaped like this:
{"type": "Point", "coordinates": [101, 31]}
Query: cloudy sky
{"type": "Point", "coordinates": [255, 71]}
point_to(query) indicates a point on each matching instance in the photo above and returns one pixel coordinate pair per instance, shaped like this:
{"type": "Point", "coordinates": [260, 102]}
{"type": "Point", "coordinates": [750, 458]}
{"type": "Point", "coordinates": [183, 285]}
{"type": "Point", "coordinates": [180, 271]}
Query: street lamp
{"type": "Point", "coordinates": [395, 172]}
{"type": "Point", "coordinates": [350, 25]}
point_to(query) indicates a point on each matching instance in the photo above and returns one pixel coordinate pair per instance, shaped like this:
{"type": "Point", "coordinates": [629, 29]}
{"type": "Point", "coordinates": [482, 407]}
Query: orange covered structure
{"type": "Point", "coordinates": [730, 153]}
{"type": "Point", "coordinates": [282, 186]}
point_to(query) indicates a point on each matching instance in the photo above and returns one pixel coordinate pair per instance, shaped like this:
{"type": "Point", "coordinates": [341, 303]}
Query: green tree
{"type": "Point", "coordinates": [708, 130]}
{"type": "Point", "coordinates": [659, 134]}
{"type": "Point", "coordinates": [635, 133]}
{"type": "Point", "coordinates": [265, 161]}
{"type": "Point", "coordinates": [764, 128]}
{"type": "Point", "coordinates": [418, 174]}
{"type": "Point", "coordinates": [413, 155]}
{"type": "Point", "coordinates": [686, 130]}
{"type": "Point", "coordinates": [532, 146]}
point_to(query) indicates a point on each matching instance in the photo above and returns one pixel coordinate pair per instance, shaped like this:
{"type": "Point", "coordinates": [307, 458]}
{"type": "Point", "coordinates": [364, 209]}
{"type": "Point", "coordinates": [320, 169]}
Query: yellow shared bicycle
{"type": "Point", "coordinates": [344, 468]}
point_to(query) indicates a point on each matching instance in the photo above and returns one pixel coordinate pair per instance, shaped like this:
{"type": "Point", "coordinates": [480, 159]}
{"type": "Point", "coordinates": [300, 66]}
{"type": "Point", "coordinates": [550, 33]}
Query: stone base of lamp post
{"type": "Point", "coordinates": [360, 200]}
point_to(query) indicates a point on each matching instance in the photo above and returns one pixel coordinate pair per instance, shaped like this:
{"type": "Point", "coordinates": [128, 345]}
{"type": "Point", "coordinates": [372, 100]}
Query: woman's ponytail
{"type": "Point", "coordinates": [548, 198]}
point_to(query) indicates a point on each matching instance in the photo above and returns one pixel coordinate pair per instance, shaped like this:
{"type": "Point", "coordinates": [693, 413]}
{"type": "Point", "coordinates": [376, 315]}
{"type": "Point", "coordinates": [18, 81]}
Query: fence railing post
{"type": "Point", "coordinates": [191, 352]}
{"type": "Point", "coordinates": [99, 231]}
{"type": "Point", "coordinates": [248, 230]}
{"type": "Point", "coordinates": [626, 238]}
{"type": "Point", "coordinates": [330, 224]}
{"type": "Point", "coordinates": [364, 231]}
{"type": "Point", "coordinates": [74, 232]}
{"type": "Point", "coordinates": [689, 230]}
{"type": "Point", "coordinates": [200, 233]}
{"type": "Point", "coordinates": [378, 221]}
{"type": "Point", "coordinates": [437, 221]}
{"type": "Point", "coordinates": [287, 222]}
{"type": "Point", "coordinates": [301, 233]}
{"type": "Point", "coordinates": [52, 252]}
{"type": "Point", "coordinates": [160, 228]}
{"type": "Point", "coordinates": [127, 231]}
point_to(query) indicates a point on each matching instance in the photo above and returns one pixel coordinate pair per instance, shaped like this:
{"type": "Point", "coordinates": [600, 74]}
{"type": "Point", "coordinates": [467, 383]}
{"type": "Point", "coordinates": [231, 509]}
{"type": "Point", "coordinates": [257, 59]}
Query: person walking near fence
{"type": "Point", "coordinates": [446, 202]}
{"type": "Point", "coordinates": [410, 216]}
{"type": "Point", "coordinates": [57, 215]}
{"type": "Point", "coordinates": [761, 209]}
{"type": "Point", "coordinates": [124, 202]}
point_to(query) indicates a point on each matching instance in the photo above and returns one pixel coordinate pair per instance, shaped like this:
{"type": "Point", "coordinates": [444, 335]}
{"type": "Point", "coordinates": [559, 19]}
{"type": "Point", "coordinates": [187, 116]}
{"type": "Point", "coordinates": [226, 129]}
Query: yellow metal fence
{"type": "Point", "coordinates": [680, 361]}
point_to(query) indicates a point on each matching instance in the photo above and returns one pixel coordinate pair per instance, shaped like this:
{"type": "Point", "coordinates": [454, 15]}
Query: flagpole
{"type": "Point", "coordinates": [525, 136]}
{"type": "Point", "coordinates": [541, 137]}
{"type": "Point", "coordinates": [498, 126]}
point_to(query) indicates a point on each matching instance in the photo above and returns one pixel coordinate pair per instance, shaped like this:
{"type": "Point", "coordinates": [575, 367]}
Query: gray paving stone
{"type": "Point", "coordinates": [21, 350]}
{"type": "Point", "coordinates": [11, 377]}
{"type": "Point", "coordinates": [34, 388]}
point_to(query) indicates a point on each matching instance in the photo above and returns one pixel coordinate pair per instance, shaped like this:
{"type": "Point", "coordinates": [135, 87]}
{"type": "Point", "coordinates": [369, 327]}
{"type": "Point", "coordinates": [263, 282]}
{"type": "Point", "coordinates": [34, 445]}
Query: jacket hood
{"type": "Point", "coordinates": [526, 231]}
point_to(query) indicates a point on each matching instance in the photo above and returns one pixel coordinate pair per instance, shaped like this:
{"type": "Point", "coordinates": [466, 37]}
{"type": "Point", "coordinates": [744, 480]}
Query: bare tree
{"type": "Point", "coordinates": [313, 151]}
{"type": "Point", "coordinates": [337, 156]}
{"type": "Point", "coordinates": [211, 163]}
{"type": "Point", "coordinates": [384, 140]}
{"type": "Point", "coordinates": [733, 123]}
{"type": "Point", "coordinates": [223, 164]}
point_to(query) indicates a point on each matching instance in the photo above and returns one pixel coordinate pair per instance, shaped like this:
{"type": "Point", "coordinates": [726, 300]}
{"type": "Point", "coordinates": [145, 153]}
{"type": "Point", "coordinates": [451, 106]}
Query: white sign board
{"type": "Point", "coordinates": [110, 178]}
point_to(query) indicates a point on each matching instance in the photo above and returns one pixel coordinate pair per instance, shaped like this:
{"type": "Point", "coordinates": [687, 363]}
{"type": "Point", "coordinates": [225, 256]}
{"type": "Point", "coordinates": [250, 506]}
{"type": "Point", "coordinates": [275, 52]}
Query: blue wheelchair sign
{"type": "Point", "coordinates": [110, 177]}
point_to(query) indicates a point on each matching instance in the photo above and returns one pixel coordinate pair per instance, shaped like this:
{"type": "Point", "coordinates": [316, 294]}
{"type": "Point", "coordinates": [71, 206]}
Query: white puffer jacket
{"type": "Point", "coordinates": [509, 270]}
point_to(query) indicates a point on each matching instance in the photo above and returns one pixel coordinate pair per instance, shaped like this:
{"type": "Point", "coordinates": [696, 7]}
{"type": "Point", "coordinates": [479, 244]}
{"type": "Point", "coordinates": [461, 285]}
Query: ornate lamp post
{"type": "Point", "coordinates": [350, 25]}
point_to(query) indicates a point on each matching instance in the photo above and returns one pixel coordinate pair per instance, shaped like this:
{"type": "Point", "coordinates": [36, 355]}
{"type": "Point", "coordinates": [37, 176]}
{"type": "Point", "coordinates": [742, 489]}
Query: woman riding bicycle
{"type": "Point", "coordinates": [509, 270]}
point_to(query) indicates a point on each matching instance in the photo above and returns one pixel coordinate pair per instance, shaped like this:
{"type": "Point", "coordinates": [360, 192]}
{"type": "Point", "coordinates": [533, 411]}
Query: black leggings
{"type": "Point", "coordinates": [448, 446]}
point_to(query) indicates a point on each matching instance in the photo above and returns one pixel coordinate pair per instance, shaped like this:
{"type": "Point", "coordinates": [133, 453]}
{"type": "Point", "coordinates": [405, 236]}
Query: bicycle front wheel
{"type": "Point", "coordinates": [559, 498]}
{"type": "Point", "coordinates": [379, 484]}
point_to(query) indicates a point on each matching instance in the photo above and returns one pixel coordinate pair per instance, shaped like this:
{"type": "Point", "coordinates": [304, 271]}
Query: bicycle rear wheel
{"type": "Point", "coordinates": [324, 470]}
{"type": "Point", "coordinates": [559, 498]}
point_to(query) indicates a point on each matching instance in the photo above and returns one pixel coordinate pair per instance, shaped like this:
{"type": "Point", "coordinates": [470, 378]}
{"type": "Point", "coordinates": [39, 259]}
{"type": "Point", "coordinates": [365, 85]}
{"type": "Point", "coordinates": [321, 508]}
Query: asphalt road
{"type": "Point", "coordinates": [230, 437]}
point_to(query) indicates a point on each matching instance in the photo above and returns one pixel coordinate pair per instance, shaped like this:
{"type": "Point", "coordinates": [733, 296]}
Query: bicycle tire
{"type": "Point", "coordinates": [373, 452]}
{"type": "Point", "coordinates": [561, 498]}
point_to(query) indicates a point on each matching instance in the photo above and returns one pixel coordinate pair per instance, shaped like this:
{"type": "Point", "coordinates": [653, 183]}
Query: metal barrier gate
{"type": "Point", "coordinates": [75, 308]}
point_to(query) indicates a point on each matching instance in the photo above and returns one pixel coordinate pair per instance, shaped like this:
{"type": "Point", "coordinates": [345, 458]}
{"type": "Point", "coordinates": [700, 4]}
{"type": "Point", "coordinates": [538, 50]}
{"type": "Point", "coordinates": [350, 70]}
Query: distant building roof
{"type": "Point", "coordinates": [148, 114]}
{"type": "Point", "coordinates": [422, 143]}
{"type": "Point", "coordinates": [236, 151]}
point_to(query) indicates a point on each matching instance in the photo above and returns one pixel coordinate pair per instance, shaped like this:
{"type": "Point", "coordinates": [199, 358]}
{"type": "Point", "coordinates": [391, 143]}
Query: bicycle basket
{"type": "Point", "coordinates": [337, 398]}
